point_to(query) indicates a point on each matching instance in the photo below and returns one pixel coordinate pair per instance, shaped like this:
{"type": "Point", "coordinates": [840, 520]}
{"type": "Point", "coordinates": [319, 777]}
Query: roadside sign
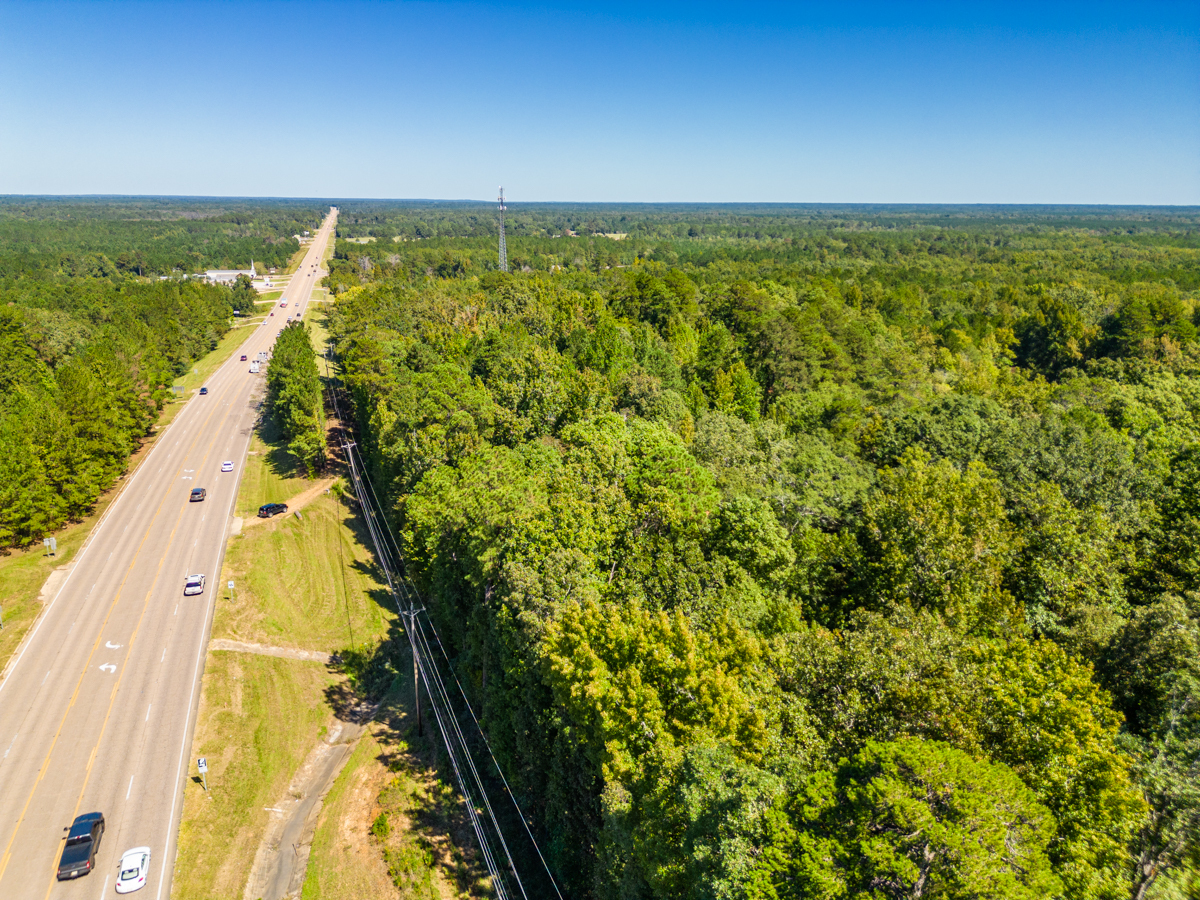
{"type": "Point", "coordinates": [202, 764]}
{"type": "Point", "coordinates": [231, 585]}
{"type": "Point", "coordinates": [51, 545]}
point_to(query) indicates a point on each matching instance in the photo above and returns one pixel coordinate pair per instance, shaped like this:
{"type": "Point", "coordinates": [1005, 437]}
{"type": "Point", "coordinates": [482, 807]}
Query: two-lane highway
{"type": "Point", "coordinates": [98, 709]}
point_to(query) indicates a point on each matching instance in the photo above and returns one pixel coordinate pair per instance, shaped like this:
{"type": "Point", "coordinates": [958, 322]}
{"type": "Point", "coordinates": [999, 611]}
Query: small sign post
{"type": "Point", "coordinates": [230, 591]}
{"type": "Point", "coordinates": [202, 765]}
{"type": "Point", "coordinates": [51, 545]}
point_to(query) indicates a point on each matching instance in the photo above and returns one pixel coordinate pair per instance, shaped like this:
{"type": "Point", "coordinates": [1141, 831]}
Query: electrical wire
{"type": "Point", "coordinates": [403, 586]}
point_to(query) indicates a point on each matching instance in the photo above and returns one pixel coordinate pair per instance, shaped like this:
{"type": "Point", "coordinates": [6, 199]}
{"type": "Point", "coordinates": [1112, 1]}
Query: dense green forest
{"type": "Point", "coordinates": [812, 553]}
{"type": "Point", "coordinates": [294, 395]}
{"type": "Point", "coordinates": [105, 237]}
{"type": "Point", "coordinates": [90, 342]}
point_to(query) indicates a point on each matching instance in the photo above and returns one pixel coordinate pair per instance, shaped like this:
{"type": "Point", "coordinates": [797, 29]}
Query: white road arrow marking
{"type": "Point", "coordinates": [111, 646]}
{"type": "Point", "coordinates": [108, 667]}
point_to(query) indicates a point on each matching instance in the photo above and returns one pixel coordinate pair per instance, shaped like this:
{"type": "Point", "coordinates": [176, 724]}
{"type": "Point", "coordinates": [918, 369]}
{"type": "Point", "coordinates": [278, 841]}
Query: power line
{"type": "Point", "coordinates": [404, 586]}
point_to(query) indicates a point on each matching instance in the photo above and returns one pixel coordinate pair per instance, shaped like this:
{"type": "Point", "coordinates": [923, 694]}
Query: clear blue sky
{"type": "Point", "coordinates": [890, 102]}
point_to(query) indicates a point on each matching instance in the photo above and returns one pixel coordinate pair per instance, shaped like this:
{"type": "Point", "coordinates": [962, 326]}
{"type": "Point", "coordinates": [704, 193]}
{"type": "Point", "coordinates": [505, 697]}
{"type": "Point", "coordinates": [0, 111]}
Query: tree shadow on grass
{"type": "Point", "coordinates": [279, 459]}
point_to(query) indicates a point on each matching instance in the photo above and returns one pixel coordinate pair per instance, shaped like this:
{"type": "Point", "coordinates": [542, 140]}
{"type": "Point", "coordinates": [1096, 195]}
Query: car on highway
{"type": "Point", "coordinates": [132, 872]}
{"type": "Point", "coordinates": [83, 840]}
{"type": "Point", "coordinates": [197, 495]}
{"type": "Point", "coordinates": [227, 466]}
{"type": "Point", "coordinates": [272, 313]}
{"type": "Point", "coordinates": [203, 391]}
{"type": "Point", "coordinates": [243, 357]}
{"type": "Point", "coordinates": [271, 509]}
{"type": "Point", "coordinates": [193, 585]}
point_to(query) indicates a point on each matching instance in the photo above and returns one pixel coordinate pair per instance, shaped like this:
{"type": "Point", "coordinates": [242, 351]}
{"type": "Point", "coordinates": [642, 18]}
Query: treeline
{"type": "Point", "coordinates": [294, 396]}
{"type": "Point", "coordinates": [936, 260]}
{"type": "Point", "coordinates": [808, 575]}
{"type": "Point", "coordinates": [84, 370]}
{"type": "Point", "coordinates": [115, 238]}
{"type": "Point", "coordinates": [423, 219]}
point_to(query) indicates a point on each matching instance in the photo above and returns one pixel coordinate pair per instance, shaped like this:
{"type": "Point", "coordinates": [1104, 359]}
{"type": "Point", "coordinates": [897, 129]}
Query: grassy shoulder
{"type": "Point", "coordinates": [24, 573]}
{"type": "Point", "coordinates": [259, 718]}
{"type": "Point", "coordinates": [305, 582]}
{"type": "Point", "coordinates": [392, 826]}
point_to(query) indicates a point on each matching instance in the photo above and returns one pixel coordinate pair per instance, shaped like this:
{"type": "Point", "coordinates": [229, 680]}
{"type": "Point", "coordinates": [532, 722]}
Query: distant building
{"type": "Point", "coordinates": [227, 276]}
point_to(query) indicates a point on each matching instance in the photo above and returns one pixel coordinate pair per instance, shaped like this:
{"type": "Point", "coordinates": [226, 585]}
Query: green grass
{"type": "Point", "coordinates": [306, 582]}
{"type": "Point", "coordinates": [22, 573]}
{"type": "Point", "coordinates": [336, 867]}
{"type": "Point", "coordinates": [259, 718]}
{"type": "Point", "coordinates": [390, 826]}
{"type": "Point", "coordinates": [203, 368]}
{"type": "Point", "coordinates": [269, 297]}
{"type": "Point", "coordinates": [272, 475]}
{"type": "Point", "coordinates": [301, 582]}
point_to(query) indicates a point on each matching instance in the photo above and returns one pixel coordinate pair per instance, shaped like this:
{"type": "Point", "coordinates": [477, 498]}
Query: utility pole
{"type": "Point", "coordinates": [503, 248]}
{"type": "Point", "coordinates": [412, 639]}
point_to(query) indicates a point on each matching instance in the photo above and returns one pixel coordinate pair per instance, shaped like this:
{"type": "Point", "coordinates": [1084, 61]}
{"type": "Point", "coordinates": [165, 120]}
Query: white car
{"type": "Point", "coordinates": [227, 466]}
{"type": "Point", "coordinates": [194, 585]}
{"type": "Point", "coordinates": [135, 864]}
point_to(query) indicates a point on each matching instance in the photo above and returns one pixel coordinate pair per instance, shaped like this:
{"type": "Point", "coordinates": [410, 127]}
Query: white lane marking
{"type": "Point", "coordinates": [104, 890]}
{"type": "Point", "coordinates": [148, 707]}
{"type": "Point", "coordinates": [44, 677]}
{"type": "Point", "coordinates": [176, 609]}
{"type": "Point", "coordinates": [109, 668]}
{"type": "Point", "coordinates": [111, 646]}
{"type": "Point", "coordinates": [127, 792]}
{"type": "Point", "coordinates": [92, 588]}
{"type": "Point", "coordinates": [10, 745]}
{"type": "Point", "coordinates": [164, 656]}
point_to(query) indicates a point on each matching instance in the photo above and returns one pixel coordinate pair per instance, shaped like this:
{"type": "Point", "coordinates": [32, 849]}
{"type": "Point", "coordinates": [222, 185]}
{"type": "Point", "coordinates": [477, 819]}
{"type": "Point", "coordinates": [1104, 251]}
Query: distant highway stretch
{"type": "Point", "coordinates": [98, 707]}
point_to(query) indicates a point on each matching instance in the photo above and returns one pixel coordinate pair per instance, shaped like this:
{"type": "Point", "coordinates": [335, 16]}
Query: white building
{"type": "Point", "coordinates": [227, 276]}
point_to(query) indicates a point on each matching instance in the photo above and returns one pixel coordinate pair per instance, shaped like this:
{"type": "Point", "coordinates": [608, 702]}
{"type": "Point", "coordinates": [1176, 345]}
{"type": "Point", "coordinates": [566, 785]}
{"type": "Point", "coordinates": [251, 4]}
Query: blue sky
{"type": "Point", "coordinates": [897, 102]}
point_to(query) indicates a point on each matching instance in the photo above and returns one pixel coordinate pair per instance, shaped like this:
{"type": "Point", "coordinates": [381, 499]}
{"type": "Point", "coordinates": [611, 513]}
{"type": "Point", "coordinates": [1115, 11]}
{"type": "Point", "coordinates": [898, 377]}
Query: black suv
{"type": "Point", "coordinates": [271, 509]}
{"type": "Point", "coordinates": [83, 840]}
{"type": "Point", "coordinates": [197, 494]}
{"type": "Point", "coordinates": [203, 391]}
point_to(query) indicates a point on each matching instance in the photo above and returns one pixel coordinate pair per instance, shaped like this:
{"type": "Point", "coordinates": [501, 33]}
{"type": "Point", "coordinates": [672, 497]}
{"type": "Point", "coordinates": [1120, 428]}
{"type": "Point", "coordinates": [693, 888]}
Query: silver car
{"type": "Point", "coordinates": [194, 585]}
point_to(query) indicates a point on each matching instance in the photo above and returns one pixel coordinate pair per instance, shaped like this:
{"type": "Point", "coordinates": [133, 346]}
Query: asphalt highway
{"type": "Point", "coordinates": [98, 708]}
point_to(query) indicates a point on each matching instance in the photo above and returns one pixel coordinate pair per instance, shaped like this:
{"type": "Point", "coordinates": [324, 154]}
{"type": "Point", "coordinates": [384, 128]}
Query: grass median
{"type": "Point", "coordinates": [302, 582]}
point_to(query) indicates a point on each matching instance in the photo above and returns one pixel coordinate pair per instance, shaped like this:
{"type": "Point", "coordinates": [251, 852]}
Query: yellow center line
{"type": "Point", "coordinates": [87, 666]}
{"type": "Point", "coordinates": [133, 637]}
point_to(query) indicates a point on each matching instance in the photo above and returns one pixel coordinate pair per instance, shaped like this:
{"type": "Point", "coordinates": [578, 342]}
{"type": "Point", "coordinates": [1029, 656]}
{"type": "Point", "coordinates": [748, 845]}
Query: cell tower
{"type": "Point", "coordinates": [503, 247]}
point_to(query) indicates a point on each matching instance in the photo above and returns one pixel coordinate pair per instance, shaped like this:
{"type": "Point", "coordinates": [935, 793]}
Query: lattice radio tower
{"type": "Point", "coordinates": [503, 247]}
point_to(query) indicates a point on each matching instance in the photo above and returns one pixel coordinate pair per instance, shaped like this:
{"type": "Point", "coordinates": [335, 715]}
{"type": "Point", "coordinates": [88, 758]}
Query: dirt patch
{"type": "Point", "coordinates": [360, 811]}
{"type": "Point", "coordinates": [282, 858]}
{"type": "Point", "coordinates": [264, 650]}
{"type": "Point", "coordinates": [300, 501]}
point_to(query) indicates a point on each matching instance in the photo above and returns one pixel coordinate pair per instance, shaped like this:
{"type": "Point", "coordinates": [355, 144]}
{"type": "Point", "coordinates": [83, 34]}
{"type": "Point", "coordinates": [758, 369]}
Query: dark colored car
{"type": "Point", "coordinates": [197, 495]}
{"type": "Point", "coordinates": [243, 357]}
{"type": "Point", "coordinates": [271, 509]}
{"type": "Point", "coordinates": [203, 391]}
{"type": "Point", "coordinates": [83, 840]}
